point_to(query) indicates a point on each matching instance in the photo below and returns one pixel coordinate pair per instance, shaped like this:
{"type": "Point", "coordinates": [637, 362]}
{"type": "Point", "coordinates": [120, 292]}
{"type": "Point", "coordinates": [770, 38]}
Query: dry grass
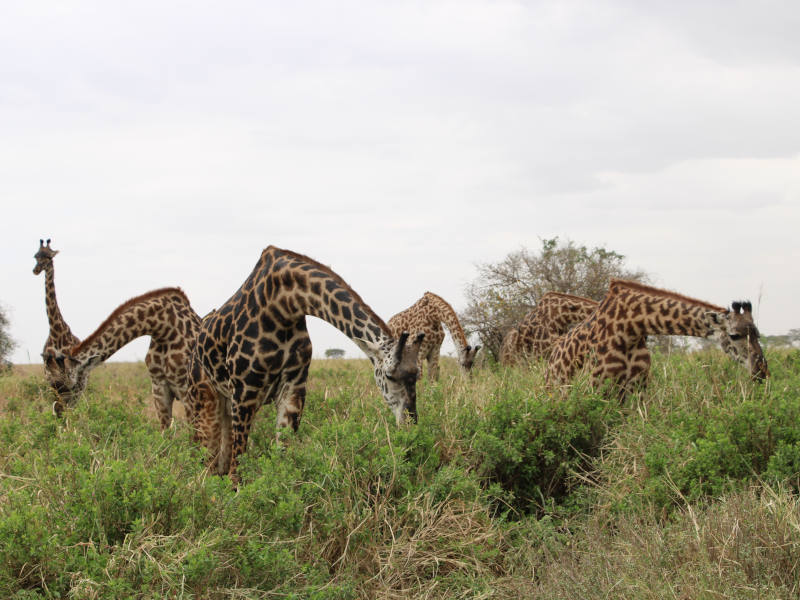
{"type": "Point", "coordinates": [746, 545]}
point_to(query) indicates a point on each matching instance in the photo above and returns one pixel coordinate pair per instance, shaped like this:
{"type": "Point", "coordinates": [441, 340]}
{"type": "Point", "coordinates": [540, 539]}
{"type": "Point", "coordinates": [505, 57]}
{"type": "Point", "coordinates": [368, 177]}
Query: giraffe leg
{"type": "Point", "coordinates": [292, 396]}
{"type": "Point", "coordinates": [236, 428]}
{"type": "Point", "coordinates": [162, 400]}
{"type": "Point", "coordinates": [203, 410]}
{"type": "Point", "coordinates": [638, 366]}
{"type": "Point", "coordinates": [433, 364]}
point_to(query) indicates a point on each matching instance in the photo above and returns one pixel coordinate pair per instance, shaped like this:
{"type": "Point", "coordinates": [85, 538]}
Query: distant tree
{"type": "Point", "coordinates": [334, 353]}
{"type": "Point", "coordinates": [506, 290]}
{"type": "Point", "coordinates": [7, 344]}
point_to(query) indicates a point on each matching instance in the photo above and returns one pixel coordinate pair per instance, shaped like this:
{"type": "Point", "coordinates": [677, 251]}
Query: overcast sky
{"type": "Point", "coordinates": [167, 143]}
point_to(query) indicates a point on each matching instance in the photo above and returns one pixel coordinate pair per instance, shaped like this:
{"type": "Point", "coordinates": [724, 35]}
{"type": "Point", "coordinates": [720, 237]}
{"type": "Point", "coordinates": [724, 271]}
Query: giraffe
{"type": "Point", "coordinates": [612, 340]}
{"type": "Point", "coordinates": [742, 342]}
{"type": "Point", "coordinates": [426, 316]}
{"type": "Point", "coordinates": [60, 336]}
{"type": "Point", "coordinates": [551, 318]}
{"type": "Point", "coordinates": [167, 317]}
{"type": "Point", "coordinates": [255, 349]}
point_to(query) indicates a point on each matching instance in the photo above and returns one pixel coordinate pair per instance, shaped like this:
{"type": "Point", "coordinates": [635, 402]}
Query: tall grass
{"type": "Point", "coordinates": [503, 490]}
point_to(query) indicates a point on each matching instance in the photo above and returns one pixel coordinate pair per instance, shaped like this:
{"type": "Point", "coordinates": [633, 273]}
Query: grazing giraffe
{"type": "Point", "coordinates": [426, 316]}
{"type": "Point", "coordinates": [612, 340]}
{"type": "Point", "coordinates": [742, 341]}
{"type": "Point", "coordinates": [60, 336]}
{"type": "Point", "coordinates": [551, 318]}
{"type": "Point", "coordinates": [255, 349]}
{"type": "Point", "coordinates": [172, 324]}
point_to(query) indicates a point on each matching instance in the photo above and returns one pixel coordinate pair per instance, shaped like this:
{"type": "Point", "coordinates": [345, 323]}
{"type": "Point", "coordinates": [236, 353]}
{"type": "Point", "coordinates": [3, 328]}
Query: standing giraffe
{"type": "Point", "coordinates": [426, 316]}
{"type": "Point", "coordinates": [60, 336]}
{"type": "Point", "coordinates": [538, 330]}
{"type": "Point", "coordinates": [612, 341]}
{"type": "Point", "coordinates": [172, 324]}
{"type": "Point", "coordinates": [255, 349]}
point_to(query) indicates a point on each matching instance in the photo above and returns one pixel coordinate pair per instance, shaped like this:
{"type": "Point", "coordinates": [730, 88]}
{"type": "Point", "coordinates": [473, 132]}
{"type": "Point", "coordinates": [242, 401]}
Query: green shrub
{"type": "Point", "coordinates": [531, 445]}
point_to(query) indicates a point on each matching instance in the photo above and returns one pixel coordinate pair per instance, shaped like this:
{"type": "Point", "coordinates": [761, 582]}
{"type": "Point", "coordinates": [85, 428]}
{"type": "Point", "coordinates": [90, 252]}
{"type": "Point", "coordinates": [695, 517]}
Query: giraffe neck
{"type": "Point", "coordinates": [60, 334]}
{"type": "Point", "coordinates": [643, 314]}
{"type": "Point", "coordinates": [293, 286]}
{"type": "Point", "coordinates": [449, 319]}
{"type": "Point", "coordinates": [165, 315]}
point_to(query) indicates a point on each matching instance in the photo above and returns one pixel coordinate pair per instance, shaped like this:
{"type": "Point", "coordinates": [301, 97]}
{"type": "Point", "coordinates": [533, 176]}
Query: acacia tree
{"type": "Point", "coordinates": [504, 291]}
{"type": "Point", "coordinates": [6, 343]}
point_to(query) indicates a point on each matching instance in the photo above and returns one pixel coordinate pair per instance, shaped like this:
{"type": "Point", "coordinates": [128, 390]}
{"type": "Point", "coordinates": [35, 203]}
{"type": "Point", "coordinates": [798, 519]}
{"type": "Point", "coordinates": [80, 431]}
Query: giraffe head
{"type": "Point", "coordinates": [742, 340]}
{"type": "Point", "coordinates": [467, 358]}
{"type": "Point", "coordinates": [43, 256]}
{"type": "Point", "coordinates": [67, 376]}
{"type": "Point", "coordinates": [395, 364]}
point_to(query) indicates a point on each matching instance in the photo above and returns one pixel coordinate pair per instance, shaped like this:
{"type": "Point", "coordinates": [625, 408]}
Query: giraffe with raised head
{"type": "Point", "coordinates": [611, 342]}
{"type": "Point", "coordinates": [60, 336]}
{"type": "Point", "coordinates": [255, 349]}
{"type": "Point", "coordinates": [172, 324]}
{"type": "Point", "coordinates": [427, 315]}
{"type": "Point", "coordinates": [538, 330]}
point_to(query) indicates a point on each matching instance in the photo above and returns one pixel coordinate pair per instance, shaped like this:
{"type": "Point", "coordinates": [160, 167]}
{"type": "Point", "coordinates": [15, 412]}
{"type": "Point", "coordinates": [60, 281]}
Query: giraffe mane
{"type": "Point", "coordinates": [75, 350]}
{"type": "Point", "coordinates": [325, 269]}
{"type": "Point", "coordinates": [440, 299]}
{"type": "Point", "coordinates": [635, 285]}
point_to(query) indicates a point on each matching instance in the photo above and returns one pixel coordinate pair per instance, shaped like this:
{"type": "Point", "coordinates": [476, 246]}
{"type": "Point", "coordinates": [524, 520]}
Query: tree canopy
{"type": "Point", "coordinates": [7, 344]}
{"type": "Point", "coordinates": [504, 291]}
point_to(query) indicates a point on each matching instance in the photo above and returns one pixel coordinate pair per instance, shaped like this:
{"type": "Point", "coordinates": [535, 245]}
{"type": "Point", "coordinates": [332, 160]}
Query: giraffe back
{"type": "Point", "coordinates": [551, 318]}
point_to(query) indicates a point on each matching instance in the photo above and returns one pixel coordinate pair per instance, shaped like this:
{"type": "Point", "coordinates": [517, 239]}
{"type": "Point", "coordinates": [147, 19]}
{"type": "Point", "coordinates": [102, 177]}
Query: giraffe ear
{"type": "Point", "coordinates": [93, 361]}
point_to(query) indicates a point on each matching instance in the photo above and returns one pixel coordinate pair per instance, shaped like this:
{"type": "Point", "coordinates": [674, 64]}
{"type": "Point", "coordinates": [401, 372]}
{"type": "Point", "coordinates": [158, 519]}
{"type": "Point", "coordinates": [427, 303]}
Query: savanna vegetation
{"type": "Point", "coordinates": [502, 490]}
{"type": "Point", "coordinates": [7, 344]}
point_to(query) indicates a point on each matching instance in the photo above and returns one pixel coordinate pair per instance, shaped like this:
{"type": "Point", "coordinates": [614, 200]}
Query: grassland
{"type": "Point", "coordinates": [503, 490]}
